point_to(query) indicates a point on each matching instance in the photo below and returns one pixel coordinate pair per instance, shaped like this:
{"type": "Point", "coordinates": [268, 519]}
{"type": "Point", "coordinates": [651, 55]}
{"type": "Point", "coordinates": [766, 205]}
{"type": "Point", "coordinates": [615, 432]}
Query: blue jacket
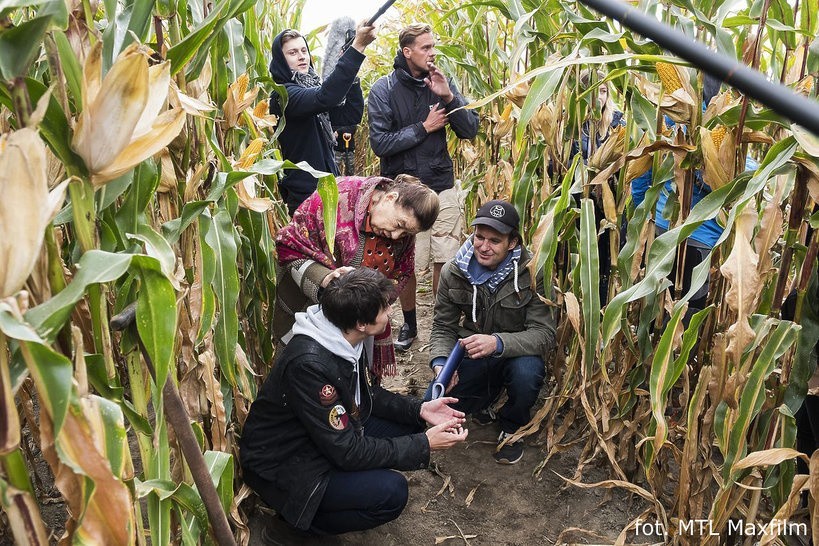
{"type": "Point", "coordinates": [709, 231]}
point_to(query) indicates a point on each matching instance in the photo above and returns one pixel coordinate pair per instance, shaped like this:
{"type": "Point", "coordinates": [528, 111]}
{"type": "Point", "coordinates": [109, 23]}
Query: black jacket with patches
{"type": "Point", "coordinates": [289, 438]}
{"type": "Point", "coordinates": [397, 106]}
{"type": "Point", "coordinates": [302, 138]}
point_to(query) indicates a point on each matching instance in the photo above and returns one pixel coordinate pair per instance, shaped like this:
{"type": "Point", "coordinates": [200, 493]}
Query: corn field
{"type": "Point", "coordinates": [138, 163]}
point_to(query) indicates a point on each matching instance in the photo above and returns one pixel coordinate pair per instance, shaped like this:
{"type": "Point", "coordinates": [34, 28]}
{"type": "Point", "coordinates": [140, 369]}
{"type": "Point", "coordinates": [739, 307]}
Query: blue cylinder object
{"type": "Point", "coordinates": [452, 362]}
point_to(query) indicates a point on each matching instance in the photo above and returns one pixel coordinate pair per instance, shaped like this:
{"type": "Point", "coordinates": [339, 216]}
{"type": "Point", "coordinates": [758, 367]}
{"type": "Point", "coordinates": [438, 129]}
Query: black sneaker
{"type": "Point", "coordinates": [484, 417]}
{"type": "Point", "coordinates": [510, 453]}
{"type": "Point", "coordinates": [405, 338]}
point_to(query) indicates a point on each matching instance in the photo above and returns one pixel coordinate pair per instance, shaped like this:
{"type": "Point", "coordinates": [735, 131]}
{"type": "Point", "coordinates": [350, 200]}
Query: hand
{"type": "Point", "coordinates": [480, 345]}
{"type": "Point", "coordinates": [334, 274]}
{"type": "Point", "coordinates": [436, 119]}
{"type": "Point", "coordinates": [364, 36]}
{"type": "Point", "coordinates": [453, 380]}
{"type": "Point", "coordinates": [438, 84]}
{"type": "Point", "coordinates": [446, 435]}
{"type": "Point", "coordinates": [438, 411]}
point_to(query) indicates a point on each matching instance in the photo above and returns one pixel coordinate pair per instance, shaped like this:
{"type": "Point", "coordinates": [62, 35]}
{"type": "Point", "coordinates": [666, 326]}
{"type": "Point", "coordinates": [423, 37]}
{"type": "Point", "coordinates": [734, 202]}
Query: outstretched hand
{"type": "Point", "coordinates": [446, 435]}
{"type": "Point", "coordinates": [438, 84]}
{"type": "Point", "coordinates": [438, 411]}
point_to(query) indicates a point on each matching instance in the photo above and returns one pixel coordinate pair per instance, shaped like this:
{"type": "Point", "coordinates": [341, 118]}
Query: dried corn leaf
{"type": "Point", "coordinates": [23, 516]}
{"type": "Point", "coordinates": [441, 540]}
{"type": "Point", "coordinates": [768, 457]}
{"type": "Point", "coordinates": [742, 274]}
{"type": "Point", "coordinates": [471, 496]}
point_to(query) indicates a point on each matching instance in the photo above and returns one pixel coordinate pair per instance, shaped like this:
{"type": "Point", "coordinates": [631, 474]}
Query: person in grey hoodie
{"type": "Point", "coordinates": [320, 444]}
{"type": "Point", "coordinates": [487, 302]}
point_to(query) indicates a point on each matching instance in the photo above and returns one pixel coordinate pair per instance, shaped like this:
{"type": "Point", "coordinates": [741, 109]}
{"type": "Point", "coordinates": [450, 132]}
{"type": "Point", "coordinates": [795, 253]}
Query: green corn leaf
{"type": "Point", "coordinates": [589, 284]}
{"type": "Point", "coordinates": [94, 267]}
{"type": "Point", "coordinates": [218, 234]}
{"type": "Point", "coordinates": [156, 316]}
{"type": "Point", "coordinates": [753, 395]}
{"type": "Point", "coordinates": [328, 190]}
{"type": "Point", "coordinates": [20, 45]}
{"type": "Point", "coordinates": [220, 467]}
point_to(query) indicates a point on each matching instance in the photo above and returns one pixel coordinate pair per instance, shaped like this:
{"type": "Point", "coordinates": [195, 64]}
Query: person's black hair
{"type": "Point", "coordinates": [356, 297]}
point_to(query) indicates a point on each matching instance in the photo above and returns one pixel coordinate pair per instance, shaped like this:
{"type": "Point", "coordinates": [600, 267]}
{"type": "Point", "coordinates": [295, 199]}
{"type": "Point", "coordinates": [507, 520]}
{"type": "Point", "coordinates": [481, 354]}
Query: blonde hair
{"type": "Point", "coordinates": [608, 108]}
{"type": "Point", "coordinates": [409, 33]}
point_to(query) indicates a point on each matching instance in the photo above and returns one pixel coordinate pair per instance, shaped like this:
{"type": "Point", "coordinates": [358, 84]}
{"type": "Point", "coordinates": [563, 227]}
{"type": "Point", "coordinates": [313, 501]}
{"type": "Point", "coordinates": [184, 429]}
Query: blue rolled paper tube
{"type": "Point", "coordinates": [452, 362]}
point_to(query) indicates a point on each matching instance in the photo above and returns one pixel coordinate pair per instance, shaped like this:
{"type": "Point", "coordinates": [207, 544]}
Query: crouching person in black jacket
{"type": "Point", "coordinates": [321, 445]}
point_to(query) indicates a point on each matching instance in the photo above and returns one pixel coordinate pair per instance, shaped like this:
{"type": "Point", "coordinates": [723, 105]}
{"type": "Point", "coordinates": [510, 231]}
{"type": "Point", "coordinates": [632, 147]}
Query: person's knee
{"type": "Point", "coordinates": [396, 495]}
{"type": "Point", "coordinates": [525, 373]}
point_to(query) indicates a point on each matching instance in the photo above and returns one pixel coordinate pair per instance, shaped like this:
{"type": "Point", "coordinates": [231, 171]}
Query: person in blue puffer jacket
{"type": "Point", "coordinates": [703, 239]}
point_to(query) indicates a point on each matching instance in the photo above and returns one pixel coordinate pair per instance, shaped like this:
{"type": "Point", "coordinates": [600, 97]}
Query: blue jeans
{"type": "Point", "coordinates": [360, 500]}
{"type": "Point", "coordinates": [480, 383]}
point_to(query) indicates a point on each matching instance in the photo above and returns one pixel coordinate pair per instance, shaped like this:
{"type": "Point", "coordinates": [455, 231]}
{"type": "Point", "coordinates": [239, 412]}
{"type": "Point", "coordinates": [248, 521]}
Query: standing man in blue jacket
{"type": "Point", "coordinates": [409, 111]}
{"type": "Point", "coordinates": [308, 133]}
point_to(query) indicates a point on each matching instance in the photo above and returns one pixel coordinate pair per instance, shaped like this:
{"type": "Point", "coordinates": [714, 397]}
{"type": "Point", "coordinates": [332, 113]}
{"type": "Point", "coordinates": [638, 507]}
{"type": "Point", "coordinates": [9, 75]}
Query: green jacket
{"type": "Point", "coordinates": [525, 324]}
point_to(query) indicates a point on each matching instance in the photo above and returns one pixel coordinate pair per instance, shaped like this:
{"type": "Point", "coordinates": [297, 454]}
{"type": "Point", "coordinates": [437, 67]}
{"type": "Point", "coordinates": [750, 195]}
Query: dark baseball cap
{"type": "Point", "coordinates": [499, 215]}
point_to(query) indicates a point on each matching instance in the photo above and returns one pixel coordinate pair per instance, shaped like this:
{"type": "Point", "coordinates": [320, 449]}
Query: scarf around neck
{"type": "Point", "coordinates": [310, 80]}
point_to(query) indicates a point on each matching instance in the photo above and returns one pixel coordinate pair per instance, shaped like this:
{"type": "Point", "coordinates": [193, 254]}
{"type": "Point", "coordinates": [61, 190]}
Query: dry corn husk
{"type": "Point", "coordinates": [719, 155]}
{"type": "Point", "coordinates": [611, 149]}
{"type": "Point", "coordinates": [238, 100]}
{"type": "Point", "coordinates": [545, 123]}
{"type": "Point", "coordinates": [517, 95]}
{"type": "Point", "coordinates": [26, 208]}
{"type": "Point", "coordinates": [719, 105]}
{"type": "Point", "coordinates": [121, 125]}
{"type": "Point", "coordinates": [503, 124]}
{"type": "Point", "coordinates": [675, 97]}
{"type": "Point", "coordinates": [468, 153]}
{"type": "Point", "coordinates": [191, 105]}
{"type": "Point", "coordinates": [246, 189]}
{"type": "Point", "coordinates": [261, 118]}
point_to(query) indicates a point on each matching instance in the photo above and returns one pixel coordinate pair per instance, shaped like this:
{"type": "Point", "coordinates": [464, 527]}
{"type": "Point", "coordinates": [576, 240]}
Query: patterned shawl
{"type": "Point", "coordinates": [304, 238]}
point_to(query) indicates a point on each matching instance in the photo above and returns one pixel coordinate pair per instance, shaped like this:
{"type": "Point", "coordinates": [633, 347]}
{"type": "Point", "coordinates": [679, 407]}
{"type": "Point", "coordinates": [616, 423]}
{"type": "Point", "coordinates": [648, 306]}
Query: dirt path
{"type": "Point", "coordinates": [464, 492]}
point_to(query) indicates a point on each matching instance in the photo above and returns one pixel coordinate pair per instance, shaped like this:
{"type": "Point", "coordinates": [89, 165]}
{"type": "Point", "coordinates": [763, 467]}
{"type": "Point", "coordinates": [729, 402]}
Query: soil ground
{"type": "Point", "coordinates": [467, 496]}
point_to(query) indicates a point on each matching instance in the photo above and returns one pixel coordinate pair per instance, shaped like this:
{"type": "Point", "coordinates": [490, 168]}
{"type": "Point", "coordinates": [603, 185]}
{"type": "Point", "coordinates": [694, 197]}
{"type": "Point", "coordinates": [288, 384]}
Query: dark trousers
{"type": "Point", "coordinates": [346, 162]}
{"type": "Point", "coordinates": [360, 500]}
{"type": "Point", "coordinates": [481, 381]}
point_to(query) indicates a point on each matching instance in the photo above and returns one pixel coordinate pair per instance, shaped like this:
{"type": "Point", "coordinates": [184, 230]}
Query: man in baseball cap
{"type": "Point", "coordinates": [486, 303]}
{"type": "Point", "coordinates": [499, 215]}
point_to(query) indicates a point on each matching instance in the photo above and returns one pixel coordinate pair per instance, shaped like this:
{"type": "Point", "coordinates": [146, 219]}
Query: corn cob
{"type": "Point", "coordinates": [248, 157]}
{"type": "Point", "coordinates": [260, 110]}
{"type": "Point", "coordinates": [718, 135]}
{"type": "Point", "coordinates": [669, 76]}
{"type": "Point", "coordinates": [242, 82]}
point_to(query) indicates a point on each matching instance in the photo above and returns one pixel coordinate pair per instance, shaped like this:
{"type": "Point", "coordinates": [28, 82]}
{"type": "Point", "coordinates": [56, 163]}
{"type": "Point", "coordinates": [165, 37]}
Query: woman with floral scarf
{"type": "Point", "coordinates": [376, 222]}
{"type": "Point", "coordinates": [307, 134]}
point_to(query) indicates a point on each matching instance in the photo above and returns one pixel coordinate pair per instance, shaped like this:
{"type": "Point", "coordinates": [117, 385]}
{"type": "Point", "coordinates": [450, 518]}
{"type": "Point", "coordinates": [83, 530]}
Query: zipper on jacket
{"type": "Point", "coordinates": [307, 503]}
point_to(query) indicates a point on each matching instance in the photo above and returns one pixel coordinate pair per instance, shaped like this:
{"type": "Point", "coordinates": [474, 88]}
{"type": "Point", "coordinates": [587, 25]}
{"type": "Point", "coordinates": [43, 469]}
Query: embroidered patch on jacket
{"type": "Point", "coordinates": [328, 395]}
{"type": "Point", "coordinates": [338, 417]}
